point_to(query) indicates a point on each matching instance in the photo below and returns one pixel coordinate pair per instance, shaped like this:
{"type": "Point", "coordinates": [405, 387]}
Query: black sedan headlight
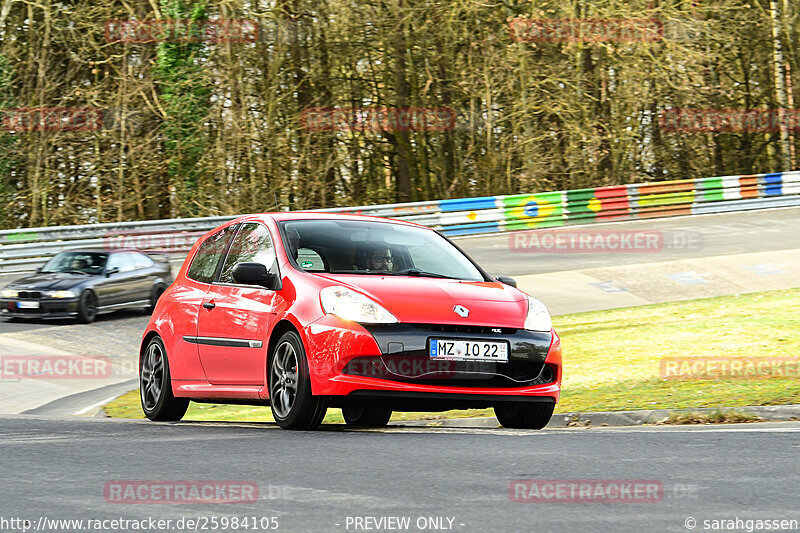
{"type": "Point", "coordinates": [59, 294]}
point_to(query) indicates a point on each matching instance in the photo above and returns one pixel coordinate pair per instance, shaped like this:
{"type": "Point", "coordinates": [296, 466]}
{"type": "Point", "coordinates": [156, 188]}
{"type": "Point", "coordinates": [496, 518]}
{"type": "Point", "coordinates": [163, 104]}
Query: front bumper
{"type": "Point", "coordinates": [48, 308]}
{"type": "Point", "coordinates": [389, 364]}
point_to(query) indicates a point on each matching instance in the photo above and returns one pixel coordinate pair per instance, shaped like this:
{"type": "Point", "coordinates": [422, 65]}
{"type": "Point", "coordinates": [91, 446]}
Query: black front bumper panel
{"type": "Point", "coordinates": [50, 308]}
{"type": "Point", "coordinates": [404, 349]}
{"type": "Point", "coordinates": [433, 401]}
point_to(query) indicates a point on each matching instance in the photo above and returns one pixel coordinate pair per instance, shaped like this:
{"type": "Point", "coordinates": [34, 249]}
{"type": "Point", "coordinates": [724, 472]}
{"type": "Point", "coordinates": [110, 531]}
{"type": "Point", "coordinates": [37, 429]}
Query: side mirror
{"type": "Point", "coordinates": [507, 280]}
{"type": "Point", "coordinates": [253, 274]}
{"type": "Point", "coordinates": [114, 270]}
{"type": "Point", "coordinates": [39, 269]}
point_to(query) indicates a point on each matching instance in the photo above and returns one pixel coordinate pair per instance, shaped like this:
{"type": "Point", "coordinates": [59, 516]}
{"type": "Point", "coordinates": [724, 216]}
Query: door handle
{"type": "Point", "coordinates": [209, 305]}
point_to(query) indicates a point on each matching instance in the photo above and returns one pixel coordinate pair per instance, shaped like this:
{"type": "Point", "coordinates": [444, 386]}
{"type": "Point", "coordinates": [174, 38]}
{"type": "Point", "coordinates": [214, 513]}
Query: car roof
{"type": "Point", "coordinates": [90, 251]}
{"type": "Point", "coordinates": [322, 215]}
{"type": "Point", "coordinates": [102, 251]}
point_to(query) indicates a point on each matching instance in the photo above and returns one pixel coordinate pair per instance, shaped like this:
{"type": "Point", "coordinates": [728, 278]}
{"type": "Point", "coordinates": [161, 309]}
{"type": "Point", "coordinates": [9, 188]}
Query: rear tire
{"type": "Point", "coordinates": [155, 385]}
{"type": "Point", "coordinates": [155, 294]}
{"type": "Point", "coordinates": [367, 417]}
{"type": "Point", "coordinates": [524, 416]}
{"type": "Point", "coordinates": [293, 406]}
{"type": "Point", "coordinates": [87, 307]}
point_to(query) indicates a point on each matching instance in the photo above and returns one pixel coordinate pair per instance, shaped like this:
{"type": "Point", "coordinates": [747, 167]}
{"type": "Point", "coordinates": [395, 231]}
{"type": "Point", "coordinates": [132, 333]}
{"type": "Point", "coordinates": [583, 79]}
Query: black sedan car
{"type": "Point", "coordinates": [84, 283]}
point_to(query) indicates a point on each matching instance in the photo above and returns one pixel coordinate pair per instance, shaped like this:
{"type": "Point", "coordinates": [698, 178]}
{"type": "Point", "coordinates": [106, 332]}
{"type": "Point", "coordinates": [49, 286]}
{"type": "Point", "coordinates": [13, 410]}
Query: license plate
{"type": "Point", "coordinates": [28, 305]}
{"type": "Point", "coordinates": [458, 350]}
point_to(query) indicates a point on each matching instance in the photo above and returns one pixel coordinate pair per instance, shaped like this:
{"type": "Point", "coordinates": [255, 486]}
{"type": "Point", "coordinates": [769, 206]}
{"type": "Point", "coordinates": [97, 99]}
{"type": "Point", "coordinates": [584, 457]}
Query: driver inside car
{"type": "Point", "coordinates": [380, 258]}
{"type": "Point", "coordinates": [80, 264]}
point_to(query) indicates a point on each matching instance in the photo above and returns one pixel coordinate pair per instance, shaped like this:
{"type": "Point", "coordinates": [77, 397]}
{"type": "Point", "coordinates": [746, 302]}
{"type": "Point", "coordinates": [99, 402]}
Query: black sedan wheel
{"type": "Point", "coordinates": [366, 416]}
{"type": "Point", "coordinates": [87, 307]}
{"type": "Point", "coordinates": [293, 406]}
{"type": "Point", "coordinates": [155, 385]}
{"type": "Point", "coordinates": [525, 416]}
{"type": "Point", "coordinates": [155, 294]}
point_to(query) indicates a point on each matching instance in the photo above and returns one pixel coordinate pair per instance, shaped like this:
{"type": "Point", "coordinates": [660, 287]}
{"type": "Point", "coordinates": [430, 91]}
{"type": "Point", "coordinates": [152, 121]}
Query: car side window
{"type": "Point", "coordinates": [130, 257]}
{"type": "Point", "coordinates": [208, 255]}
{"type": "Point", "coordinates": [141, 261]}
{"type": "Point", "coordinates": [251, 245]}
{"type": "Point", "coordinates": [122, 262]}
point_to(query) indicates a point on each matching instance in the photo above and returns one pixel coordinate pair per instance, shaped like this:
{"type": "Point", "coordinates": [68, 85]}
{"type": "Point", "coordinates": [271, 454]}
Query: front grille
{"type": "Point", "coordinates": [30, 295]}
{"type": "Point", "coordinates": [423, 371]}
{"type": "Point", "coordinates": [463, 328]}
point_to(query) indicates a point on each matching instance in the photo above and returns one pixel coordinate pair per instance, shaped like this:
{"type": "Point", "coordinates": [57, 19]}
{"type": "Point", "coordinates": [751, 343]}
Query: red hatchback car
{"type": "Point", "coordinates": [305, 311]}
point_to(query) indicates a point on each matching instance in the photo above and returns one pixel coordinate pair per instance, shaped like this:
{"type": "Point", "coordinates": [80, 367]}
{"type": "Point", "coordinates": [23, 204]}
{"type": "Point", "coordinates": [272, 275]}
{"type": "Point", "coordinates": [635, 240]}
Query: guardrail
{"type": "Point", "coordinates": [25, 249]}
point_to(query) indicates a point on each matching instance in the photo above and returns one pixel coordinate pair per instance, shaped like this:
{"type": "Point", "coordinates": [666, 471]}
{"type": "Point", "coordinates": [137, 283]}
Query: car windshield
{"type": "Point", "coordinates": [375, 248]}
{"type": "Point", "coordinates": [77, 262]}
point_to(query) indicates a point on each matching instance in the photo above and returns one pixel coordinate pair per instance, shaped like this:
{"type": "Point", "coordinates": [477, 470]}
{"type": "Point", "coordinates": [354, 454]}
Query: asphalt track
{"type": "Point", "coordinates": [56, 466]}
{"type": "Point", "coordinates": [314, 481]}
{"type": "Point", "coordinates": [687, 237]}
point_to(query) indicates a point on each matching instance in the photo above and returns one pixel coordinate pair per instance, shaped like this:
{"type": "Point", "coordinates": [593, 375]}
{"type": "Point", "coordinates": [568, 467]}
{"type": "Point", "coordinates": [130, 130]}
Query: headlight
{"type": "Point", "coordinates": [60, 294]}
{"type": "Point", "coordinates": [350, 305]}
{"type": "Point", "coordinates": [538, 317]}
{"type": "Point", "coordinates": [9, 293]}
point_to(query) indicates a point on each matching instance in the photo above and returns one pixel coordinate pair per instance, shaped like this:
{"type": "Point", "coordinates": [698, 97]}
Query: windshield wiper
{"type": "Point", "coordinates": [421, 273]}
{"type": "Point", "coordinates": [77, 272]}
{"type": "Point", "coordinates": [407, 272]}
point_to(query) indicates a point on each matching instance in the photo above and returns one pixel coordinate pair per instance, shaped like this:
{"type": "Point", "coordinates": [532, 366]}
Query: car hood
{"type": "Point", "coordinates": [431, 300]}
{"type": "Point", "coordinates": [51, 281]}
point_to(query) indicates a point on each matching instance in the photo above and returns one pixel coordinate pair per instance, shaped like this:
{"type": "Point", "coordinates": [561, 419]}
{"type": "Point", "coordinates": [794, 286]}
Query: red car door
{"type": "Point", "coordinates": [234, 320]}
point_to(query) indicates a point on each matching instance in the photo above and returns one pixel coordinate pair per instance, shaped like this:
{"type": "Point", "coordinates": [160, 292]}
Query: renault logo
{"type": "Point", "coordinates": [461, 311]}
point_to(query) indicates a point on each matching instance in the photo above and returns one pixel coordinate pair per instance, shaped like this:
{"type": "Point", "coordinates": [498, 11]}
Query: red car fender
{"type": "Point", "coordinates": [554, 358]}
{"type": "Point", "coordinates": [330, 343]}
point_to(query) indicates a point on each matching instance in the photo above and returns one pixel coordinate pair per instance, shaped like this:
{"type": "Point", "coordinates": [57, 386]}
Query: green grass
{"type": "Point", "coordinates": [611, 359]}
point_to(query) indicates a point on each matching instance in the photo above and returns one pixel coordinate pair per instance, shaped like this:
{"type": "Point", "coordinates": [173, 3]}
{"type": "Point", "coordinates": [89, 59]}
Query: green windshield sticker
{"type": "Point", "coordinates": [306, 264]}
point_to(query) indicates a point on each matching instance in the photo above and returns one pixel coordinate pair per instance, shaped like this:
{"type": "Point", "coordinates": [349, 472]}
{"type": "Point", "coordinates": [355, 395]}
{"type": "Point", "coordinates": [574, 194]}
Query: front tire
{"type": "Point", "coordinates": [87, 307]}
{"type": "Point", "coordinates": [293, 406]}
{"type": "Point", "coordinates": [155, 385]}
{"type": "Point", "coordinates": [524, 416]}
{"type": "Point", "coordinates": [367, 417]}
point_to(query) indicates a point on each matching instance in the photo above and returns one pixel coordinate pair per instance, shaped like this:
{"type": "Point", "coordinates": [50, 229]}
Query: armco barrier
{"type": "Point", "coordinates": [24, 250]}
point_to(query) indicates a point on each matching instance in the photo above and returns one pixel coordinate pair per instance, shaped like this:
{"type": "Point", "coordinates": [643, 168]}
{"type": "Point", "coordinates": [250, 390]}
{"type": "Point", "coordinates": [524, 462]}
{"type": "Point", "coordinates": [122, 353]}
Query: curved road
{"type": "Point", "coordinates": [688, 237]}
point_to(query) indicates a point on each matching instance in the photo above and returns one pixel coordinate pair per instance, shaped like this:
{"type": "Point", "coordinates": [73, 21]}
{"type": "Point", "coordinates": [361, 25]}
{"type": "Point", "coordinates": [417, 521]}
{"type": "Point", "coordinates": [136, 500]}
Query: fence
{"type": "Point", "coordinates": [25, 249]}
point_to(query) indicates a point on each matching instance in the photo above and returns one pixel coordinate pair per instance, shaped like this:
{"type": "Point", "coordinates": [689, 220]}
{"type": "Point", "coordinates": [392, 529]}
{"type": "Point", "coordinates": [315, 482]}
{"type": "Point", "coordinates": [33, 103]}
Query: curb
{"type": "Point", "coordinates": [768, 413]}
